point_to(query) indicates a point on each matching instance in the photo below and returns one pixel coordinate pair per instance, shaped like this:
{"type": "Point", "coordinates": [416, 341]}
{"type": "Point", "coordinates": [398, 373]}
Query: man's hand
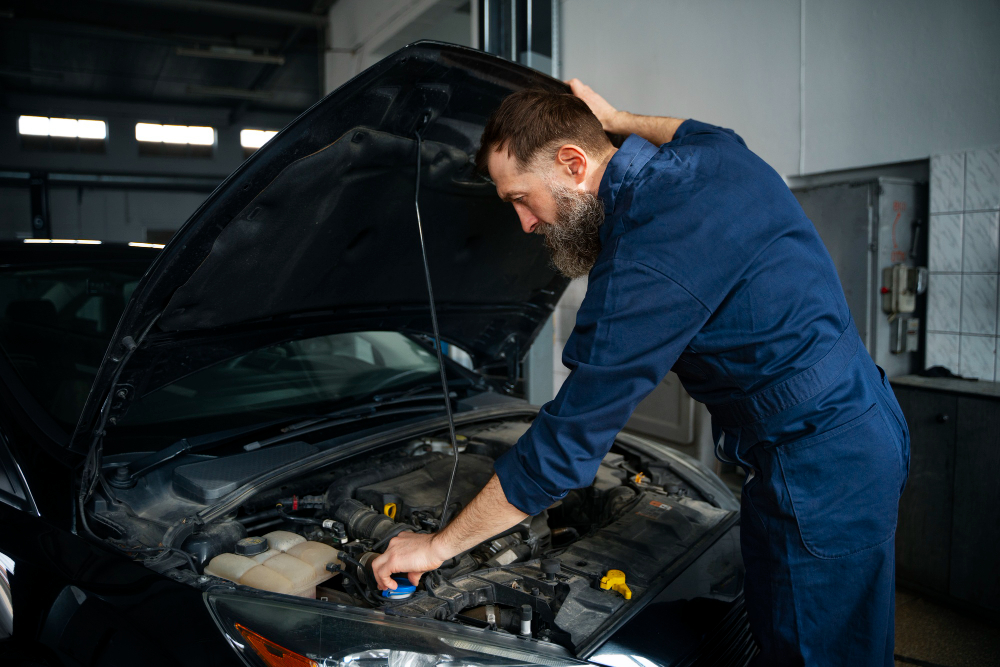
{"type": "Point", "coordinates": [654, 129]}
{"type": "Point", "coordinates": [488, 514]}
{"type": "Point", "coordinates": [605, 113]}
{"type": "Point", "coordinates": [413, 553]}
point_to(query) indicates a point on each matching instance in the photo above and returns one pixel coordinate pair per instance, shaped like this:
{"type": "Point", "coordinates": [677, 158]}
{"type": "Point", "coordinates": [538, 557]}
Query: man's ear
{"type": "Point", "coordinates": [573, 160]}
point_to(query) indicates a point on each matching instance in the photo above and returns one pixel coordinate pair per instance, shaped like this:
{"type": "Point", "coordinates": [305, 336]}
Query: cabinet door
{"type": "Point", "coordinates": [975, 537]}
{"type": "Point", "coordinates": [923, 535]}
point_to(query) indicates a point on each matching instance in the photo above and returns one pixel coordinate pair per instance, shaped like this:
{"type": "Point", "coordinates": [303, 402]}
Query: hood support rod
{"type": "Point", "coordinates": [437, 332]}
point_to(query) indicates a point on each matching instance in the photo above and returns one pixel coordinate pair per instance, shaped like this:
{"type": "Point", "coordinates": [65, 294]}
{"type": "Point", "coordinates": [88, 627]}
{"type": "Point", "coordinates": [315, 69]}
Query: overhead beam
{"type": "Point", "coordinates": [115, 181]}
{"type": "Point", "coordinates": [233, 10]}
{"type": "Point", "coordinates": [225, 91]}
{"type": "Point", "coordinates": [59, 27]}
{"type": "Point", "coordinates": [243, 55]}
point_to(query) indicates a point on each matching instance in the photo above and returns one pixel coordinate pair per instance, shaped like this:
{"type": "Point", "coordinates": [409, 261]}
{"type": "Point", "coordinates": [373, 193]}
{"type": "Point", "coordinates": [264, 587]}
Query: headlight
{"type": "Point", "coordinates": [275, 632]}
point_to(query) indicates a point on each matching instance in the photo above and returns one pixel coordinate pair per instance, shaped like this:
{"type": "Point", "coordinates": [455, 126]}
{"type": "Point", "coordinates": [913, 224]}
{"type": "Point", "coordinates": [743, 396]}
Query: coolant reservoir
{"type": "Point", "coordinates": [280, 562]}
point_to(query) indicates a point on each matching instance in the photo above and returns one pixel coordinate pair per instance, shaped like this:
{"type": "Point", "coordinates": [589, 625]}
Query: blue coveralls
{"type": "Point", "coordinates": [710, 268]}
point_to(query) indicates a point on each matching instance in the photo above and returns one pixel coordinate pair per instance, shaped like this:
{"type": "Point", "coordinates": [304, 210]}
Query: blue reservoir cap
{"type": "Point", "coordinates": [404, 589]}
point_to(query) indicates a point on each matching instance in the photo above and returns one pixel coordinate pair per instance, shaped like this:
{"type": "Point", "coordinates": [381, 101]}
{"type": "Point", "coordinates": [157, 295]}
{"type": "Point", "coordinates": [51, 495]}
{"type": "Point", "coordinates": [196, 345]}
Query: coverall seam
{"type": "Point", "coordinates": [609, 294]}
{"type": "Point", "coordinates": [670, 278]}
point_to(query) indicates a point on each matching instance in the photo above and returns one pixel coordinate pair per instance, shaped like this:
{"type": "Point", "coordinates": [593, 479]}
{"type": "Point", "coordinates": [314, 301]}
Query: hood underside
{"type": "Point", "coordinates": [317, 232]}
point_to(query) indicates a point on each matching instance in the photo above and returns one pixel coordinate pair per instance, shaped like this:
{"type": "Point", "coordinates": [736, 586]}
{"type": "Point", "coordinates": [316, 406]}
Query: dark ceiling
{"type": "Point", "coordinates": [252, 54]}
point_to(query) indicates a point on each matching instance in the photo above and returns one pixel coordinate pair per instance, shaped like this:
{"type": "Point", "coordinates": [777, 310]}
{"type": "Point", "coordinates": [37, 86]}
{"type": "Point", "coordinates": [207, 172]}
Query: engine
{"type": "Point", "coordinates": [557, 576]}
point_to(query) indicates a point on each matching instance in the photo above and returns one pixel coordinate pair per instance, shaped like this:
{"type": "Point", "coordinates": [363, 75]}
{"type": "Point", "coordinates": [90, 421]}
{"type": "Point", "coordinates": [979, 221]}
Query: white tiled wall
{"type": "Point", "coordinates": [963, 323]}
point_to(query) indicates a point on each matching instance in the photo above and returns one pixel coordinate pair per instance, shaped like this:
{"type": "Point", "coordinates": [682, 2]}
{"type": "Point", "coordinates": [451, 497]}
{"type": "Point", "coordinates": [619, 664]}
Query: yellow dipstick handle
{"type": "Point", "coordinates": [390, 510]}
{"type": "Point", "coordinates": [615, 580]}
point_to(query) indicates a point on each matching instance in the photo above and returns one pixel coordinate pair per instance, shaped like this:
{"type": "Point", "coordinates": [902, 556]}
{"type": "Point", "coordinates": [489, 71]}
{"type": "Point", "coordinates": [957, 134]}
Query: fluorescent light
{"type": "Point", "coordinates": [91, 129]}
{"type": "Point", "coordinates": [64, 241]}
{"type": "Point", "coordinates": [136, 244]}
{"type": "Point", "coordinates": [62, 127]}
{"type": "Point", "coordinates": [255, 138]}
{"type": "Point", "coordinates": [175, 134]}
{"type": "Point", "coordinates": [40, 126]}
{"type": "Point", "coordinates": [33, 125]}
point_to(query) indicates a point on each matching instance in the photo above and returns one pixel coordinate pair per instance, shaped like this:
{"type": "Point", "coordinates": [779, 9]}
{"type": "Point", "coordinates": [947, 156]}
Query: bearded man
{"type": "Point", "coordinates": [701, 261]}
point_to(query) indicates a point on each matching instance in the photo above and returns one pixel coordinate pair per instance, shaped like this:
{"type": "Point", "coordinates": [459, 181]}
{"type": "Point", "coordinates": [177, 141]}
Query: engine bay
{"type": "Point", "coordinates": [558, 576]}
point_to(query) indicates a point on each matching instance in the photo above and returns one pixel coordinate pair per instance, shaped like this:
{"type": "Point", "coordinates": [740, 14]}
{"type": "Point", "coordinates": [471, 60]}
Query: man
{"type": "Point", "coordinates": [700, 260]}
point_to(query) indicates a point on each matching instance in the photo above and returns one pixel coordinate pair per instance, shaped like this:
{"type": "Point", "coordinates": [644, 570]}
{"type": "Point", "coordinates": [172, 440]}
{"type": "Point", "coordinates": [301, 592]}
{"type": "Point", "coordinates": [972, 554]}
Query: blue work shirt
{"type": "Point", "coordinates": [709, 267]}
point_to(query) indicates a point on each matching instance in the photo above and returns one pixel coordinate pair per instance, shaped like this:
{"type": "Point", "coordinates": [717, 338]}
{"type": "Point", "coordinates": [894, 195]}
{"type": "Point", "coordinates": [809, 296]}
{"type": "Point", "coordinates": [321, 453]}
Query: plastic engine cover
{"type": "Point", "coordinates": [207, 481]}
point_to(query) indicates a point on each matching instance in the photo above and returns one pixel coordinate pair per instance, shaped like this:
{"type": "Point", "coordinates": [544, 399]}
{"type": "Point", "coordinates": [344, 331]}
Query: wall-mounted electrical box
{"type": "Point", "coordinates": [900, 286]}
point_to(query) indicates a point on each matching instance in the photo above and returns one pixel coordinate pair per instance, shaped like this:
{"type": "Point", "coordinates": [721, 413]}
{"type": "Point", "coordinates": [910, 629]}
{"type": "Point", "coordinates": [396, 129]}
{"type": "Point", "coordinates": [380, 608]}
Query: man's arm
{"type": "Point", "coordinates": [629, 332]}
{"type": "Point", "coordinates": [487, 515]}
{"type": "Point", "coordinates": [654, 129]}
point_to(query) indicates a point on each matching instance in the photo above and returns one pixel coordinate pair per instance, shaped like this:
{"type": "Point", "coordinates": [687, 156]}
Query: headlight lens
{"type": "Point", "coordinates": [275, 632]}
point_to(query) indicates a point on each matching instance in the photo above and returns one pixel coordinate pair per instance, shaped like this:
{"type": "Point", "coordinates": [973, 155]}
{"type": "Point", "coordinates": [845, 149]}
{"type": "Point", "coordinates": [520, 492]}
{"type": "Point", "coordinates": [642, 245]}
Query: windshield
{"type": "Point", "coordinates": [56, 322]}
{"type": "Point", "coordinates": [55, 325]}
{"type": "Point", "coordinates": [290, 378]}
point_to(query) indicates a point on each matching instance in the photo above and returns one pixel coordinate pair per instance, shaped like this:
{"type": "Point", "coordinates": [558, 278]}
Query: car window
{"type": "Point", "coordinates": [290, 378]}
{"type": "Point", "coordinates": [55, 325]}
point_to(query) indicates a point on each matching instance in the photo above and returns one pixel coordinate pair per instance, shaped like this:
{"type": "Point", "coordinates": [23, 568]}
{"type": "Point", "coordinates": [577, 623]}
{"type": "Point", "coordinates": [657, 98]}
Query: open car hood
{"type": "Point", "coordinates": [316, 233]}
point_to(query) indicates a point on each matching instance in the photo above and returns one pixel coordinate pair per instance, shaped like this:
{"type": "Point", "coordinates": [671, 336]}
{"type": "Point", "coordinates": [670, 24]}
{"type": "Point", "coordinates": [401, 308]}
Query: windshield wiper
{"type": "Point", "coordinates": [411, 395]}
{"type": "Point", "coordinates": [125, 476]}
{"type": "Point", "coordinates": [379, 406]}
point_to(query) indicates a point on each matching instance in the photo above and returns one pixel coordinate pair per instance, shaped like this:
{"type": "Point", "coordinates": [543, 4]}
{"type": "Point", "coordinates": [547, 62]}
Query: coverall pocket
{"type": "Point", "coordinates": [844, 486]}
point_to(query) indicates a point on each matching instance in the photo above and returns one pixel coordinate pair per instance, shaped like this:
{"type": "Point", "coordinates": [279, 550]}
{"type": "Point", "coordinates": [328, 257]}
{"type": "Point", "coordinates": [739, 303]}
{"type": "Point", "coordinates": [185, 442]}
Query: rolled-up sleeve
{"type": "Point", "coordinates": [631, 328]}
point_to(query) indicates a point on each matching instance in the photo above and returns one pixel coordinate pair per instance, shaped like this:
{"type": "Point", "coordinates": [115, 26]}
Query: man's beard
{"type": "Point", "coordinates": [573, 238]}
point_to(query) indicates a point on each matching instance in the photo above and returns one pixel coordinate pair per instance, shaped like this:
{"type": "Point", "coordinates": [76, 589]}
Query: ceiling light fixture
{"type": "Point", "coordinates": [175, 134]}
{"type": "Point", "coordinates": [255, 138]}
{"type": "Point", "coordinates": [42, 126]}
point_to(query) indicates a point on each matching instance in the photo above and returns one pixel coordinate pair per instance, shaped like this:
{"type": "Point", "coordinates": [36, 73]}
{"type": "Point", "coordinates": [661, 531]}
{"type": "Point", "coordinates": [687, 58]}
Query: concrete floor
{"type": "Point", "coordinates": [931, 635]}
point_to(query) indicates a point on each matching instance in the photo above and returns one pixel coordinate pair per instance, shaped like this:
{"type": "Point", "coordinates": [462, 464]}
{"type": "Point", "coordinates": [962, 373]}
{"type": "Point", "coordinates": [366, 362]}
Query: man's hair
{"type": "Point", "coordinates": [530, 122]}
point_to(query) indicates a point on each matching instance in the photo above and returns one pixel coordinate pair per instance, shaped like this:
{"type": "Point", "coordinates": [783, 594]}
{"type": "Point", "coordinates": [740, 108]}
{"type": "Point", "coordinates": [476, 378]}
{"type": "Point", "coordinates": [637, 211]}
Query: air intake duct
{"type": "Point", "coordinates": [364, 523]}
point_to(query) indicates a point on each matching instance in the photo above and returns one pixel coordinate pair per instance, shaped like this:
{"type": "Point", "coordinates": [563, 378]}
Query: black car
{"type": "Point", "coordinates": [203, 447]}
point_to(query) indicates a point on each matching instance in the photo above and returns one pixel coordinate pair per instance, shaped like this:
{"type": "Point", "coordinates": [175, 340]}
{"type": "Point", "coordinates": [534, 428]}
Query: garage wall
{"type": "Point", "coordinates": [729, 63]}
{"type": "Point", "coordinates": [894, 80]}
{"type": "Point", "coordinates": [362, 32]}
{"type": "Point", "coordinates": [15, 213]}
{"type": "Point", "coordinates": [118, 215]}
{"type": "Point", "coordinates": [812, 86]}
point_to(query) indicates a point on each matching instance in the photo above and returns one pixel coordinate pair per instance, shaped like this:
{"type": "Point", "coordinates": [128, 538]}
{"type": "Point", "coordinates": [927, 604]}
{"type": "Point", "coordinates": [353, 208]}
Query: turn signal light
{"type": "Point", "coordinates": [272, 654]}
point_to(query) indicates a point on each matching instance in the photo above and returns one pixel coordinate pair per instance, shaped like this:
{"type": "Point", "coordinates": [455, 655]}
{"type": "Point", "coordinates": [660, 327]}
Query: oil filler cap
{"type": "Point", "coordinates": [615, 580]}
{"type": "Point", "coordinates": [251, 546]}
{"type": "Point", "coordinates": [404, 589]}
